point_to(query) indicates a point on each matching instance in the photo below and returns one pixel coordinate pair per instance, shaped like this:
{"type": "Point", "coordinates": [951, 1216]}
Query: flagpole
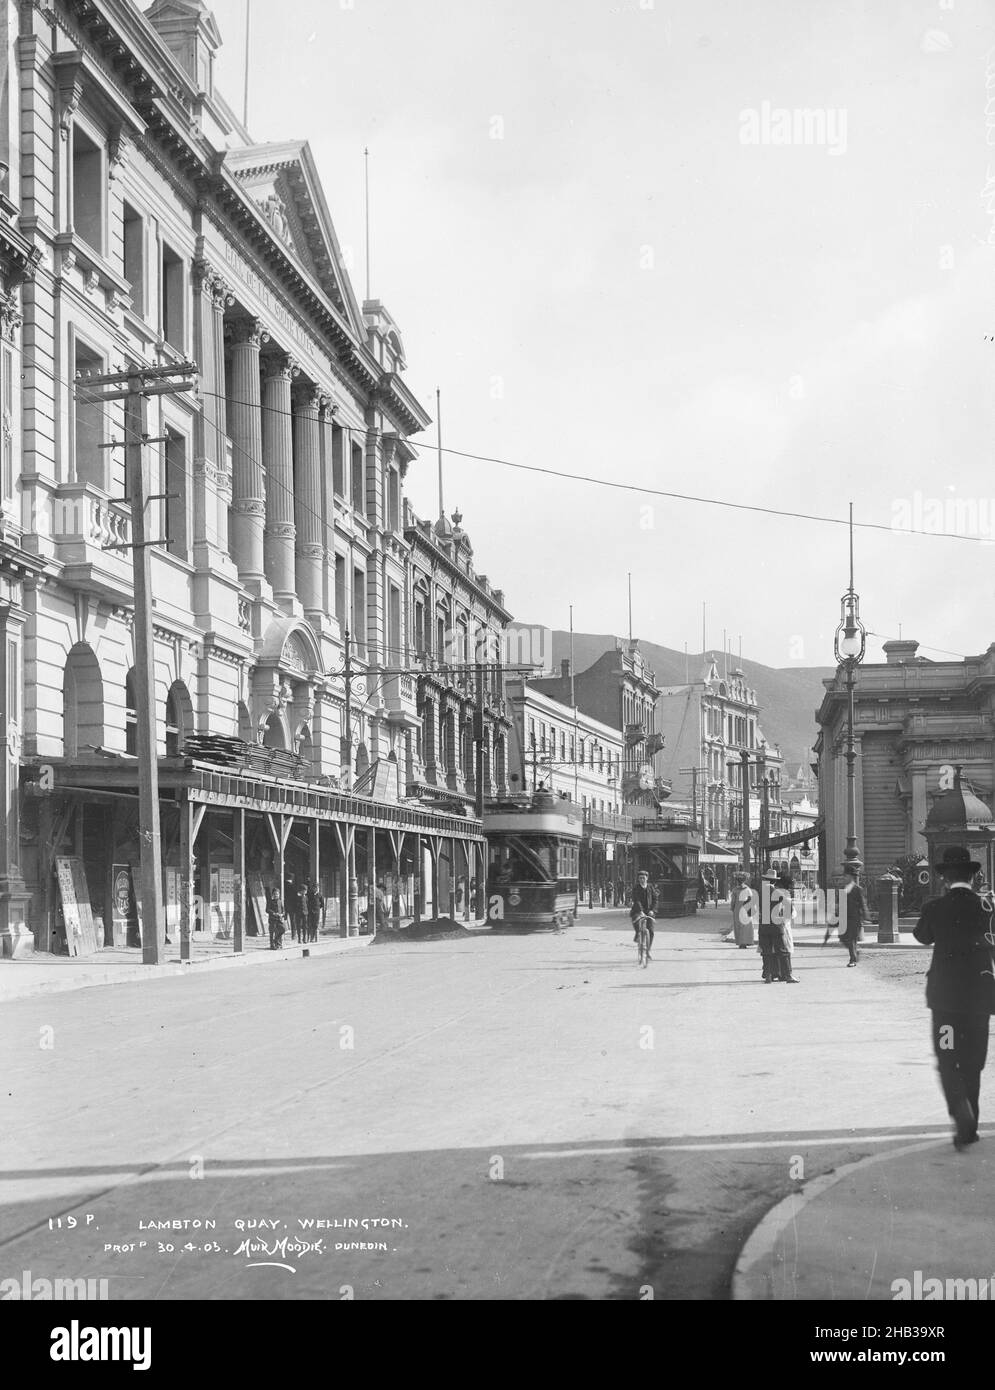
{"type": "Point", "coordinates": [438, 426]}
{"type": "Point", "coordinates": [245, 92]}
{"type": "Point", "coordinates": [366, 180]}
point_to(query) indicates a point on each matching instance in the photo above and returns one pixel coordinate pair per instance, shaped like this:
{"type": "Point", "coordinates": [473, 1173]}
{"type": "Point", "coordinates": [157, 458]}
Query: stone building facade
{"type": "Point", "coordinates": [707, 725]}
{"type": "Point", "coordinates": [915, 723]}
{"type": "Point", "coordinates": [457, 624]}
{"type": "Point", "coordinates": [620, 690]}
{"type": "Point", "coordinates": [144, 226]}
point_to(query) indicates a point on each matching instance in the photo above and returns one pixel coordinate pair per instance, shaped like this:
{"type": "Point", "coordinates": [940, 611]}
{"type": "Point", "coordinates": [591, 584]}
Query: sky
{"type": "Point", "coordinates": [739, 249]}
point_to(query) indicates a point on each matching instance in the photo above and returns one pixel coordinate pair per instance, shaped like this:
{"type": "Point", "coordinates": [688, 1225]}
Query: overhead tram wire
{"type": "Point", "coordinates": [188, 473]}
{"type": "Point", "coordinates": [638, 488]}
{"type": "Point", "coordinates": [661, 492]}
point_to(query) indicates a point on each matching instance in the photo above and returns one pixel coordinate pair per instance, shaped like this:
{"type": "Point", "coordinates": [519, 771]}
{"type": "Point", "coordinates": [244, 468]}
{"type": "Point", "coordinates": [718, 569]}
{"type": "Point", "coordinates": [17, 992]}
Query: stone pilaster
{"type": "Point", "coordinates": [16, 938]}
{"type": "Point", "coordinates": [210, 491]}
{"type": "Point", "coordinates": [248, 481]}
{"type": "Point", "coordinates": [278, 456]}
{"type": "Point", "coordinates": [309, 406]}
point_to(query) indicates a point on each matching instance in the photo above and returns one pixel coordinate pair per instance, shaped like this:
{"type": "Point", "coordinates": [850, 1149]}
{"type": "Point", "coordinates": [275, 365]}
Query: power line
{"type": "Point", "coordinates": [657, 492]}
{"type": "Point", "coordinates": [615, 485]}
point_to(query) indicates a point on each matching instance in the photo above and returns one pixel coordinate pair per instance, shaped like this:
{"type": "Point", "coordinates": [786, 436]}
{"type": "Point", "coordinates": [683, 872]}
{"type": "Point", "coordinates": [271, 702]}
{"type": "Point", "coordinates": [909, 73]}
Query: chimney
{"type": "Point", "coordinates": [900, 652]}
{"type": "Point", "coordinates": [565, 668]}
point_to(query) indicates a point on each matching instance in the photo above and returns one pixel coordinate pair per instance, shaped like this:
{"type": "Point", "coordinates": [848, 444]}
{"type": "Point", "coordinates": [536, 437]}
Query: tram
{"type": "Point", "coordinates": [533, 851]}
{"type": "Point", "coordinates": [668, 850]}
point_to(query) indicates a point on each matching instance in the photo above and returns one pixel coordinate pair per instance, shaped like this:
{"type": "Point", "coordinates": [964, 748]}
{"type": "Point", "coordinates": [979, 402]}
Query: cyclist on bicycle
{"type": "Point", "coordinates": [644, 903]}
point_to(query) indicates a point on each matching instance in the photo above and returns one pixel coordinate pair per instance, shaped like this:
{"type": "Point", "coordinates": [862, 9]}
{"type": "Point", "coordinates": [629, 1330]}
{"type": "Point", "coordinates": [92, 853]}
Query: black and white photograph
{"type": "Point", "coordinates": [497, 512]}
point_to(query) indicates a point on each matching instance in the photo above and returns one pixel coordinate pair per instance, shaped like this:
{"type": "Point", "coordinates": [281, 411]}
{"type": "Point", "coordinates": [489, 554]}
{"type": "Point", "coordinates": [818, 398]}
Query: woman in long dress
{"type": "Point", "coordinates": [742, 912]}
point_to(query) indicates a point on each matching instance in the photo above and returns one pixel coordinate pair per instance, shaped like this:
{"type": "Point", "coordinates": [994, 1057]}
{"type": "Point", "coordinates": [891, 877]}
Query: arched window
{"type": "Point", "coordinates": [82, 702]}
{"type": "Point", "coordinates": [179, 718]}
{"type": "Point", "coordinates": [172, 726]}
{"type": "Point", "coordinates": [130, 714]}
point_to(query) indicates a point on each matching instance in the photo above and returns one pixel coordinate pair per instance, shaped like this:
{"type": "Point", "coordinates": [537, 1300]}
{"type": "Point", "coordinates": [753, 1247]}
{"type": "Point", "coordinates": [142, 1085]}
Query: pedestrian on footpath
{"type": "Point", "coordinates": [742, 913]}
{"type": "Point", "coordinates": [315, 910]}
{"type": "Point", "coordinates": [960, 987]}
{"type": "Point", "coordinates": [782, 916]}
{"type": "Point", "coordinates": [275, 920]}
{"type": "Point", "coordinates": [768, 935]}
{"type": "Point", "coordinates": [853, 914]}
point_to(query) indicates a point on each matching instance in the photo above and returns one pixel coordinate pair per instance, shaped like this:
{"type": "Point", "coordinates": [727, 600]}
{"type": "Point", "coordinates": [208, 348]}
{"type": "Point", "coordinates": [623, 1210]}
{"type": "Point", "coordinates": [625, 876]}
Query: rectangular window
{"type": "Point", "coordinates": [532, 733]}
{"type": "Point", "coordinates": [89, 460]}
{"type": "Point", "coordinates": [394, 653]}
{"type": "Point", "coordinates": [338, 467]}
{"type": "Point", "coordinates": [13, 683]}
{"type": "Point", "coordinates": [177, 529]}
{"type": "Point", "coordinates": [359, 613]}
{"type": "Point", "coordinates": [134, 257]}
{"type": "Point", "coordinates": [7, 409]}
{"type": "Point", "coordinates": [542, 738]}
{"type": "Point", "coordinates": [340, 599]}
{"type": "Point", "coordinates": [88, 190]}
{"type": "Point", "coordinates": [172, 318]}
{"type": "Point", "coordinates": [393, 501]}
{"type": "Point", "coordinates": [419, 628]}
{"type": "Point", "coordinates": [358, 481]}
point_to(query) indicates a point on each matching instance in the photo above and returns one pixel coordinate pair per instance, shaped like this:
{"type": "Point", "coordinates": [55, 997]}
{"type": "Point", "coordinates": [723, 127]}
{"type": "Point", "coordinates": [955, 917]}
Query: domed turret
{"type": "Point", "coordinates": [957, 809]}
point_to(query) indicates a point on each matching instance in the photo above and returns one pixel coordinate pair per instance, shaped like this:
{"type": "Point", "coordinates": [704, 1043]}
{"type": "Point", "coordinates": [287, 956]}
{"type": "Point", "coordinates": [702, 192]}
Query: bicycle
{"type": "Point", "coordinates": [643, 940]}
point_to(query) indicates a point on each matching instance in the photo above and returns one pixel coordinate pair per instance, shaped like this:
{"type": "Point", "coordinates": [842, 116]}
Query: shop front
{"type": "Point", "coordinates": [229, 840]}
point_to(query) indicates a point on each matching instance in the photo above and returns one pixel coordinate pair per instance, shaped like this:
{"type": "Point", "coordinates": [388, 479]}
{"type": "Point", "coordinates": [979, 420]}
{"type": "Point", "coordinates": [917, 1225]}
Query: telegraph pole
{"type": "Point", "coordinates": [345, 753]}
{"type": "Point", "coordinates": [134, 387]}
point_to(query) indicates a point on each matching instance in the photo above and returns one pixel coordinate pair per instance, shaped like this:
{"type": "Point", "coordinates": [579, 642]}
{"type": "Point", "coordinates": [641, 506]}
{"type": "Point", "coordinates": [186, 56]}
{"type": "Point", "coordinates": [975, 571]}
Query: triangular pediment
{"type": "Point", "coordinates": [283, 183]}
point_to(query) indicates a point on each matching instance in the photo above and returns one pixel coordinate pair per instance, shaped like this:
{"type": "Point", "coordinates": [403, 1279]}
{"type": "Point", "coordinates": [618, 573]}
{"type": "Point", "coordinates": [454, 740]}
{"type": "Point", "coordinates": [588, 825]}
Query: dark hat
{"type": "Point", "coordinates": [956, 859]}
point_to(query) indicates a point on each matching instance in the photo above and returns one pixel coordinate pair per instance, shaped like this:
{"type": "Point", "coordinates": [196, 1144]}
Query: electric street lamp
{"type": "Point", "coordinates": [849, 649]}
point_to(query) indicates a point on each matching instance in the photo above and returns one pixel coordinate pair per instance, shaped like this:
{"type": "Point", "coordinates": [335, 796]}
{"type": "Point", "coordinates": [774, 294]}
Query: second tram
{"type": "Point", "coordinates": [668, 851]}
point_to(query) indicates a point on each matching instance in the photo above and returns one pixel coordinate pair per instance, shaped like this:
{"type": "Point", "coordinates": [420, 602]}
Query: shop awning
{"type": "Point", "coordinates": [715, 853]}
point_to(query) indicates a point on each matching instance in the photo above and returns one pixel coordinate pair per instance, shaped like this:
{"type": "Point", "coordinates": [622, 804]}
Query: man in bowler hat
{"type": "Point", "coordinates": [960, 987]}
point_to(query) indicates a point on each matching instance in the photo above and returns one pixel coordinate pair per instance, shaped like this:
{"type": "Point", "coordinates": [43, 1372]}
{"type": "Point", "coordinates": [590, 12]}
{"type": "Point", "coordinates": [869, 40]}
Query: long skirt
{"type": "Point", "coordinates": [743, 929]}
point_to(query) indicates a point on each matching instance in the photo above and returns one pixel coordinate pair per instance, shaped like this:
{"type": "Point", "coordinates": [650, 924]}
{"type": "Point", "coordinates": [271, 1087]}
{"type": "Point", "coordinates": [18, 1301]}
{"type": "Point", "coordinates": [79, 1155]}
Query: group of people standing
{"type": "Point", "coordinates": [774, 919]}
{"type": "Point", "coordinates": [305, 909]}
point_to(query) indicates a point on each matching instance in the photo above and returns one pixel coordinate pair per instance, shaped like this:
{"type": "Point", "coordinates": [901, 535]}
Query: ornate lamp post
{"type": "Point", "coordinates": [849, 648]}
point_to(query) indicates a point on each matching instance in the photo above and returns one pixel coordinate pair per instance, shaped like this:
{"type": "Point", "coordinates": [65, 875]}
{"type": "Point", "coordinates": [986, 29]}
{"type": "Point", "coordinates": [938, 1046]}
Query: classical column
{"type": "Point", "coordinates": [309, 405]}
{"type": "Point", "coordinates": [278, 455]}
{"type": "Point", "coordinates": [248, 482]}
{"type": "Point", "coordinates": [211, 484]}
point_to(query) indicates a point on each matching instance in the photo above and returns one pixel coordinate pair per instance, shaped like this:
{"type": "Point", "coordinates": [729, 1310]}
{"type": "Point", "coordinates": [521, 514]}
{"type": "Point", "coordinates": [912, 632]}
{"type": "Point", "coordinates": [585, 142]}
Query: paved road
{"type": "Point", "coordinates": [534, 1117]}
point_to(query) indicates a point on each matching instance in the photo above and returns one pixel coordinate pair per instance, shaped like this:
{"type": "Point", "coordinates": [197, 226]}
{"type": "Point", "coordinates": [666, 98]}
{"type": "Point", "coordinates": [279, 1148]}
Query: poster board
{"type": "Point", "coordinates": [81, 933]}
{"type": "Point", "coordinates": [223, 900]}
{"type": "Point", "coordinates": [122, 905]}
{"type": "Point", "coordinates": [257, 896]}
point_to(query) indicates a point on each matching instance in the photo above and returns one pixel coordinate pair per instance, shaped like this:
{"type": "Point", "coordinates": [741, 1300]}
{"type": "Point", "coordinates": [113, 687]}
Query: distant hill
{"type": "Point", "coordinates": [787, 697]}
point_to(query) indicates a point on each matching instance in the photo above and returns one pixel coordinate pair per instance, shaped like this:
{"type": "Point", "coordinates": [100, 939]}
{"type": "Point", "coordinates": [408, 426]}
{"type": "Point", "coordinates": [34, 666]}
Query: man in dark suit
{"type": "Point", "coordinates": [644, 904]}
{"type": "Point", "coordinates": [854, 905]}
{"type": "Point", "coordinates": [960, 987]}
